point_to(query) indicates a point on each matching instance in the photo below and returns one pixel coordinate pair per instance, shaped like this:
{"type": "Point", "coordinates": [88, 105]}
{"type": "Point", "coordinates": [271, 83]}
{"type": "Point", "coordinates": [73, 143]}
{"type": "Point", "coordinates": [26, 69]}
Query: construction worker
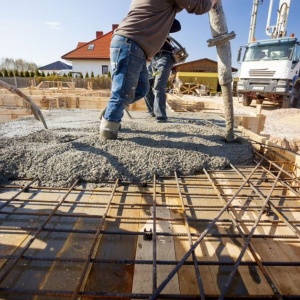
{"type": "Point", "coordinates": [139, 36]}
{"type": "Point", "coordinates": [159, 71]}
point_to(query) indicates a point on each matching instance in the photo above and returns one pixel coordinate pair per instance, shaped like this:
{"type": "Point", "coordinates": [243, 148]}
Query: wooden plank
{"type": "Point", "coordinates": [187, 277]}
{"type": "Point", "coordinates": [64, 275]}
{"type": "Point", "coordinates": [116, 277]}
{"type": "Point", "coordinates": [12, 114]}
{"type": "Point", "coordinates": [223, 250]}
{"type": "Point", "coordinates": [269, 250]}
{"type": "Point", "coordinates": [254, 123]}
{"type": "Point", "coordinates": [143, 278]}
{"type": "Point", "coordinates": [138, 105]}
{"type": "Point", "coordinates": [11, 242]}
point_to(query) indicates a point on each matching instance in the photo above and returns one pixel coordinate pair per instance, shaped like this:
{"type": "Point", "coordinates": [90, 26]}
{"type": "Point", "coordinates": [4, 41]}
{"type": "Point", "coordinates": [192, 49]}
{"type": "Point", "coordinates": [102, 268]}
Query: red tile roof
{"type": "Point", "coordinates": [100, 50]}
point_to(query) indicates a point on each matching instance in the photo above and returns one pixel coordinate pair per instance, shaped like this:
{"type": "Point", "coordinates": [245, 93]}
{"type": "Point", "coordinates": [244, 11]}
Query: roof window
{"type": "Point", "coordinates": [91, 47]}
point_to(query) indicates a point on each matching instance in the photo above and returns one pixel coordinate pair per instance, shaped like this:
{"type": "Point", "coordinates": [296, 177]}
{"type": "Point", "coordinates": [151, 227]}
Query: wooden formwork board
{"type": "Point", "coordinates": [57, 98]}
{"type": "Point", "coordinates": [11, 101]}
{"type": "Point", "coordinates": [139, 105]}
{"type": "Point", "coordinates": [7, 114]}
{"type": "Point", "coordinates": [289, 159]}
{"type": "Point", "coordinates": [165, 247]}
{"type": "Point", "coordinates": [178, 104]}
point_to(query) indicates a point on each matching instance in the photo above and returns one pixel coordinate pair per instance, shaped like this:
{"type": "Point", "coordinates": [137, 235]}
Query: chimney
{"type": "Point", "coordinates": [99, 34]}
{"type": "Point", "coordinates": [114, 27]}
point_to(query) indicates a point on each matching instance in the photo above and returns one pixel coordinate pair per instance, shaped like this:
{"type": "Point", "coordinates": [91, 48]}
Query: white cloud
{"type": "Point", "coordinates": [53, 25]}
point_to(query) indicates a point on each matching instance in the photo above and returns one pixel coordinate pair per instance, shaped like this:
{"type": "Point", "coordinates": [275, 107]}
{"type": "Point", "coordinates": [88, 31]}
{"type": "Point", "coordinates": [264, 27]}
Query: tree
{"type": "Point", "coordinates": [18, 64]}
{"type": "Point", "coordinates": [86, 75]}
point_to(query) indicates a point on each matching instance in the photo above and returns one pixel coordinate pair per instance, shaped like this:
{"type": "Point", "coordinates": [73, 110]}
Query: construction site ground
{"type": "Point", "coordinates": [166, 211]}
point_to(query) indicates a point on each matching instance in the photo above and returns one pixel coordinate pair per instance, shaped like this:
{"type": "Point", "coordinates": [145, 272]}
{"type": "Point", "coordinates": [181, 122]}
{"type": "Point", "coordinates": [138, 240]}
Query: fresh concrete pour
{"type": "Point", "coordinates": [70, 148]}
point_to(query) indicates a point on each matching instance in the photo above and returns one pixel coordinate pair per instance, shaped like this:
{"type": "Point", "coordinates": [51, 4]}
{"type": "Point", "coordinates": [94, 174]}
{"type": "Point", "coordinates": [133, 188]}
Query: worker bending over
{"type": "Point", "coordinates": [159, 71]}
{"type": "Point", "coordinates": [139, 36]}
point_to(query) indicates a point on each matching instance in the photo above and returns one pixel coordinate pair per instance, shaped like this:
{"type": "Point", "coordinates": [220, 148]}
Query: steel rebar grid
{"type": "Point", "coordinates": [144, 296]}
{"type": "Point", "coordinates": [251, 247]}
{"type": "Point", "coordinates": [275, 289]}
{"type": "Point", "coordinates": [186, 222]}
{"type": "Point", "coordinates": [291, 175]}
{"type": "Point", "coordinates": [278, 213]}
{"type": "Point", "coordinates": [154, 269]}
{"type": "Point", "coordinates": [94, 246]}
{"type": "Point", "coordinates": [203, 234]}
{"type": "Point", "coordinates": [13, 263]}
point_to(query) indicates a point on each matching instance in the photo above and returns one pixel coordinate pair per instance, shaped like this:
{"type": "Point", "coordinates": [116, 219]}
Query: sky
{"type": "Point", "coordinates": [42, 31]}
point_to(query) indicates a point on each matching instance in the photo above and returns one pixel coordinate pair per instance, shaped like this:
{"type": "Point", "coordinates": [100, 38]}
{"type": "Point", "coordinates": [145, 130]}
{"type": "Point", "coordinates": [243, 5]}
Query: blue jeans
{"type": "Point", "coordinates": [129, 76]}
{"type": "Point", "coordinates": [161, 65]}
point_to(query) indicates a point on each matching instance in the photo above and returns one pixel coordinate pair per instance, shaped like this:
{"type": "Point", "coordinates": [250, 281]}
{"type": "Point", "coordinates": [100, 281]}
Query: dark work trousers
{"type": "Point", "coordinates": [159, 71]}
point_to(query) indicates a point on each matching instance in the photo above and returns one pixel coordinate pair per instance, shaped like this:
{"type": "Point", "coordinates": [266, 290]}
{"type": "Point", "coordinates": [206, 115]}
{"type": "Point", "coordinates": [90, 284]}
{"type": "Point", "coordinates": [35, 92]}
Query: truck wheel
{"type": "Point", "coordinates": [286, 103]}
{"type": "Point", "coordinates": [296, 95]}
{"type": "Point", "coordinates": [246, 100]}
{"type": "Point", "coordinates": [297, 103]}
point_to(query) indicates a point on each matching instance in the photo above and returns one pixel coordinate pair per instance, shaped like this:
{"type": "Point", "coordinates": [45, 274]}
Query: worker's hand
{"type": "Point", "coordinates": [214, 2]}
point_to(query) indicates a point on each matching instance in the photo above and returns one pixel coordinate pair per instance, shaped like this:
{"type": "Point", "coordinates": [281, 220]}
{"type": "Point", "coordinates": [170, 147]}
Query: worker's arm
{"type": "Point", "coordinates": [197, 7]}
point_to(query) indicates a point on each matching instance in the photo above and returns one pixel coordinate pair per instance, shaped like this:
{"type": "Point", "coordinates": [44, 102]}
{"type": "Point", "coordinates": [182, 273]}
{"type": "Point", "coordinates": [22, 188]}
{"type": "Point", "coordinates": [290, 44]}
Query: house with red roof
{"type": "Point", "coordinates": [93, 56]}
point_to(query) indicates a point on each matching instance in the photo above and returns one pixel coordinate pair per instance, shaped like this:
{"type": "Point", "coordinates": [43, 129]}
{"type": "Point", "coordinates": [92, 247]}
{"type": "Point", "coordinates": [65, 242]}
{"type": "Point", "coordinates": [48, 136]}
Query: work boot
{"type": "Point", "coordinates": [108, 130]}
{"type": "Point", "coordinates": [161, 120]}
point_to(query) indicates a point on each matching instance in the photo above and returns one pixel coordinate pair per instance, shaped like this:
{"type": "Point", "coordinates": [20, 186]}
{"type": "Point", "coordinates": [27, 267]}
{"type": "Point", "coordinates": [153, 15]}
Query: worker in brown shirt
{"type": "Point", "coordinates": [139, 36]}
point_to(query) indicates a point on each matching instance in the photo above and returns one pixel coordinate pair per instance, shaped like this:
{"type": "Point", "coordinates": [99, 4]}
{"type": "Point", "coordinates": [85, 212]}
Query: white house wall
{"type": "Point", "coordinates": [90, 65]}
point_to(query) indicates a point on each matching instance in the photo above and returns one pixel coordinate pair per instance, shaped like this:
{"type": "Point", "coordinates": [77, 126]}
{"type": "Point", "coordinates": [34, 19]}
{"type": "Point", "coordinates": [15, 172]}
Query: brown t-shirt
{"type": "Point", "coordinates": [148, 22]}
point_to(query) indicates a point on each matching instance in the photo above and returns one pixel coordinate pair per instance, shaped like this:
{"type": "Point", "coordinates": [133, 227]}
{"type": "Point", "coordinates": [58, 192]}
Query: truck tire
{"type": "Point", "coordinates": [246, 100]}
{"type": "Point", "coordinates": [296, 94]}
{"type": "Point", "coordinates": [286, 103]}
{"type": "Point", "coordinates": [297, 103]}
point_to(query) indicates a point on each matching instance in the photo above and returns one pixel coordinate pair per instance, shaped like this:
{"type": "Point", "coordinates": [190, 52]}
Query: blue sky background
{"type": "Point", "coordinates": [42, 31]}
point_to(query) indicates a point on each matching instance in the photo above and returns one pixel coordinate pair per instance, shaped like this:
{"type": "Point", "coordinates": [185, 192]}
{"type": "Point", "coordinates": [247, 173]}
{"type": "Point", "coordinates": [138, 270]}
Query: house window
{"type": "Point", "coordinates": [104, 70]}
{"type": "Point", "coordinates": [91, 47]}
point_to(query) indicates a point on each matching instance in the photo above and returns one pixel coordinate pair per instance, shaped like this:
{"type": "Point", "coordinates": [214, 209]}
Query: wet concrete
{"type": "Point", "coordinates": [71, 147]}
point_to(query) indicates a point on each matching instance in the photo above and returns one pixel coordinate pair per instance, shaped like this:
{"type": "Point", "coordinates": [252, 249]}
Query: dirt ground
{"type": "Point", "coordinates": [281, 125]}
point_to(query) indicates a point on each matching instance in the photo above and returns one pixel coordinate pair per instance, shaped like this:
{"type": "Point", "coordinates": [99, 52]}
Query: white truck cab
{"type": "Point", "coordinates": [270, 70]}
